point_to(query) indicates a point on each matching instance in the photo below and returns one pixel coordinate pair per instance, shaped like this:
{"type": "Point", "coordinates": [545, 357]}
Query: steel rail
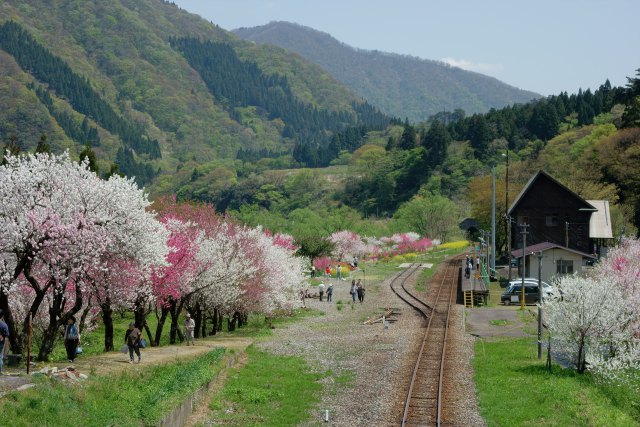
{"type": "Point", "coordinates": [450, 269]}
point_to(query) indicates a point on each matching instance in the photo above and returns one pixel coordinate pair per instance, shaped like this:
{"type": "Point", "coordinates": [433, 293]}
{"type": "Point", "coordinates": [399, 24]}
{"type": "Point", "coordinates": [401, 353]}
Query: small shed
{"type": "Point", "coordinates": [556, 260]}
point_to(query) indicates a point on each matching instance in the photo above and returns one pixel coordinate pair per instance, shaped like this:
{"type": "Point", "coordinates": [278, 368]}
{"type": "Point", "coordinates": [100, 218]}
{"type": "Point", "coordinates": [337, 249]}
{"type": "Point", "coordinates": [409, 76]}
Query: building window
{"type": "Point", "coordinates": [551, 220]}
{"type": "Point", "coordinates": [564, 266]}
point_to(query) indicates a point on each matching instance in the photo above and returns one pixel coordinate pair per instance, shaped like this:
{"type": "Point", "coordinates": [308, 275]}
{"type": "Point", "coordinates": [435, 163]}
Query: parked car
{"type": "Point", "coordinates": [547, 288]}
{"type": "Point", "coordinates": [513, 293]}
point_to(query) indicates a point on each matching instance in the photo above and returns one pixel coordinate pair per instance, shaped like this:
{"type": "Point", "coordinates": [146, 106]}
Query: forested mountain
{"type": "Point", "coordinates": [161, 94]}
{"type": "Point", "coordinates": [401, 86]}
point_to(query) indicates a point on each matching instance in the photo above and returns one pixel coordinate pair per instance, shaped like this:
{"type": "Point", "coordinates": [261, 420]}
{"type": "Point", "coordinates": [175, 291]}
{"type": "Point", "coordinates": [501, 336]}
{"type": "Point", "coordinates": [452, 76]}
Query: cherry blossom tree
{"type": "Point", "coordinates": [347, 245]}
{"type": "Point", "coordinates": [595, 324]}
{"type": "Point", "coordinates": [61, 220]}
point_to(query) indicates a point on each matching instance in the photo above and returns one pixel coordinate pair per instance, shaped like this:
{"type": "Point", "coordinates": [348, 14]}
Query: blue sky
{"type": "Point", "coordinates": [541, 45]}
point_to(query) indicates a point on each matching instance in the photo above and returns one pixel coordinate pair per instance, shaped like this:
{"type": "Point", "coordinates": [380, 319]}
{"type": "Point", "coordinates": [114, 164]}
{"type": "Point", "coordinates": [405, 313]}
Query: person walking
{"type": "Point", "coordinates": [360, 290]}
{"type": "Point", "coordinates": [339, 269]}
{"type": "Point", "coordinates": [477, 263]}
{"type": "Point", "coordinates": [71, 339]}
{"type": "Point", "coordinates": [327, 271]}
{"type": "Point", "coordinates": [303, 297]}
{"type": "Point", "coordinates": [189, 326]}
{"type": "Point", "coordinates": [329, 292]}
{"type": "Point", "coordinates": [4, 339]}
{"type": "Point", "coordinates": [467, 271]}
{"type": "Point", "coordinates": [321, 290]}
{"type": "Point", "coordinates": [132, 338]}
{"type": "Point", "coordinates": [353, 291]}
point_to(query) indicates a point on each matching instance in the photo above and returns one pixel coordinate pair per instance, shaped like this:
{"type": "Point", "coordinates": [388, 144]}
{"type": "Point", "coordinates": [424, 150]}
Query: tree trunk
{"type": "Point", "coordinates": [174, 309]}
{"type": "Point", "coordinates": [196, 315]}
{"type": "Point", "coordinates": [214, 322]}
{"type": "Point", "coordinates": [83, 317]}
{"type": "Point", "coordinates": [231, 323]}
{"type": "Point", "coordinates": [203, 326]}
{"type": "Point", "coordinates": [107, 319]}
{"type": "Point", "coordinates": [57, 318]}
{"type": "Point", "coordinates": [219, 321]}
{"type": "Point", "coordinates": [164, 312]}
{"type": "Point", "coordinates": [50, 334]}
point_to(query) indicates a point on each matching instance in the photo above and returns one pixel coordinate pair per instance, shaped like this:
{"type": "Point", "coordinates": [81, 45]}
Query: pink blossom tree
{"type": "Point", "coordinates": [61, 220]}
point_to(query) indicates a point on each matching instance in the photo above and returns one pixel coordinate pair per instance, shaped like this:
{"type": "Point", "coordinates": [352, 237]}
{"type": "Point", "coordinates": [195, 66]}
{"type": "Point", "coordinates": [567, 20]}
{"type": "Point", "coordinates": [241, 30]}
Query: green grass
{"type": "Point", "coordinates": [132, 398]}
{"type": "Point", "coordinates": [258, 327]}
{"type": "Point", "coordinates": [269, 390]}
{"type": "Point", "coordinates": [514, 389]}
{"type": "Point", "coordinates": [500, 322]}
{"type": "Point", "coordinates": [435, 258]}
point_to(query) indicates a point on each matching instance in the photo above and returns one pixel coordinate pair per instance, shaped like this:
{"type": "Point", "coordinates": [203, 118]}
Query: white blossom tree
{"type": "Point", "coordinates": [60, 222]}
{"type": "Point", "coordinates": [595, 324]}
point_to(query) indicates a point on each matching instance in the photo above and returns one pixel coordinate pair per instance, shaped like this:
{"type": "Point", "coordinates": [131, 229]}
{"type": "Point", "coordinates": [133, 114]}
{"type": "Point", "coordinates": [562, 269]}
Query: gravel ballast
{"type": "Point", "coordinates": [378, 361]}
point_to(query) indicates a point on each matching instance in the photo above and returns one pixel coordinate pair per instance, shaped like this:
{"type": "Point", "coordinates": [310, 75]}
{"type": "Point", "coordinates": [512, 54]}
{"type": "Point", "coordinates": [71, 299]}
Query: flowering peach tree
{"type": "Point", "coordinates": [596, 323]}
{"type": "Point", "coordinates": [60, 223]}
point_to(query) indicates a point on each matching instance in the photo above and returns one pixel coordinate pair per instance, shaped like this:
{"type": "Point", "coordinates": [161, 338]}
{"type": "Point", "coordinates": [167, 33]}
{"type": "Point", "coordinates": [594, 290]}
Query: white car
{"type": "Point", "coordinates": [547, 289]}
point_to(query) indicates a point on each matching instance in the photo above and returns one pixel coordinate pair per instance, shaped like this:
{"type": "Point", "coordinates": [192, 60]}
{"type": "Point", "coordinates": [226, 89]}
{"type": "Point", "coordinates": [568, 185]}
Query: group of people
{"type": "Point", "coordinates": [134, 339]}
{"type": "Point", "coordinates": [327, 272]}
{"type": "Point", "coordinates": [357, 289]}
{"type": "Point", "coordinates": [469, 266]}
{"type": "Point", "coordinates": [329, 291]}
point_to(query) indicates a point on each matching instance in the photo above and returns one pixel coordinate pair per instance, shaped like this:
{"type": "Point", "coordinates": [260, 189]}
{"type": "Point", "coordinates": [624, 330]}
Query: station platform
{"type": "Point", "coordinates": [474, 289]}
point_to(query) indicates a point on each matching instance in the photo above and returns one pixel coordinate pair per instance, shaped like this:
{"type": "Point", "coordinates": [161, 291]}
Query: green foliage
{"type": "Point", "coordinates": [58, 75]}
{"type": "Point", "coordinates": [313, 246]}
{"type": "Point", "coordinates": [90, 156]}
{"type": "Point", "coordinates": [242, 83]}
{"type": "Point", "coordinates": [401, 86]}
{"type": "Point", "coordinates": [133, 397]}
{"type": "Point", "coordinates": [269, 390]}
{"type": "Point", "coordinates": [429, 215]}
{"type": "Point", "coordinates": [509, 367]}
{"type": "Point", "coordinates": [43, 147]}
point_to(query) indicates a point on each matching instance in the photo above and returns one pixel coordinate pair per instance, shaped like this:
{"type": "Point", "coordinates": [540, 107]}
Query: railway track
{"type": "Point", "coordinates": [424, 401]}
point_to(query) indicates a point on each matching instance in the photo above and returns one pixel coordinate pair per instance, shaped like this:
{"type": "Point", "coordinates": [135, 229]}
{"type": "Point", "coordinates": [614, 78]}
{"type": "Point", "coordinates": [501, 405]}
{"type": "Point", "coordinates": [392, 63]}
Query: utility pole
{"type": "Point", "coordinates": [507, 225]}
{"type": "Point", "coordinates": [508, 218]}
{"type": "Point", "coordinates": [486, 236]}
{"type": "Point", "coordinates": [524, 260]}
{"type": "Point", "coordinates": [493, 220]}
{"type": "Point", "coordinates": [539, 304]}
{"type": "Point", "coordinates": [566, 234]}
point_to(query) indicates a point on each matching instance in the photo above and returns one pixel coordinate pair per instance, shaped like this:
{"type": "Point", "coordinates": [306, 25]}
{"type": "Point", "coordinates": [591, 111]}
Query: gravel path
{"type": "Point", "coordinates": [379, 361]}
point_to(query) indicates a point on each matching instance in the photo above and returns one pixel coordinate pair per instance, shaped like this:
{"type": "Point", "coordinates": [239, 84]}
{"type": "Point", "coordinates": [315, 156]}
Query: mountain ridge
{"type": "Point", "coordinates": [119, 50]}
{"type": "Point", "coordinates": [400, 85]}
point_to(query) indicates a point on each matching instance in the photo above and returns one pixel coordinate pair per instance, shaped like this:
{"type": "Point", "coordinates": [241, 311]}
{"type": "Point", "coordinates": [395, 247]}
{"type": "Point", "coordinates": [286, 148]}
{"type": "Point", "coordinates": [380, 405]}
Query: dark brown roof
{"type": "Point", "coordinates": [534, 178]}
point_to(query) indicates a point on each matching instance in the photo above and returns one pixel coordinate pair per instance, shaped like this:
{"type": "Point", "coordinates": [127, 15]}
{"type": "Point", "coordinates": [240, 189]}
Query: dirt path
{"type": "Point", "coordinates": [115, 361]}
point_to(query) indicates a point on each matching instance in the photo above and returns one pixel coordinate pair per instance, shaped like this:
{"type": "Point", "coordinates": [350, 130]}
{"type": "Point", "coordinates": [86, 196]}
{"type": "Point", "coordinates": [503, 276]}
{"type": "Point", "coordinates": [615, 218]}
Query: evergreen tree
{"type": "Point", "coordinates": [90, 156]}
{"type": "Point", "coordinates": [43, 146]}
{"type": "Point", "coordinates": [409, 137]}
{"type": "Point", "coordinates": [436, 141]}
{"type": "Point", "coordinates": [11, 147]}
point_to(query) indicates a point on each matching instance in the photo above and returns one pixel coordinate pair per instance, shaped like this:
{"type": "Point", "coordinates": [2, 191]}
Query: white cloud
{"type": "Point", "coordinates": [472, 66]}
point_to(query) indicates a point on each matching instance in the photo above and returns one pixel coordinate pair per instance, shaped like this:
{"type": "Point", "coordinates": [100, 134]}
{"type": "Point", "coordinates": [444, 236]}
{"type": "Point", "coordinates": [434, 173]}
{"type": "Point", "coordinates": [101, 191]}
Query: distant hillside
{"type": "Point", "coordinates": [165, 95]}
{"type": "Point", "coordinates": [401, 86]}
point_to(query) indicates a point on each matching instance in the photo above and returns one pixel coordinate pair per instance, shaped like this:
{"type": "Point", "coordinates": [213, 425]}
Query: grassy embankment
{"type": "Point", "coordinates": [269, 390]}
{"type": "Point", "coordinates": [515, 389]}
{"type": "Point", "coordinates": [435, 257]}
{"type": "Point", "coordinates": [135, 397]}
{"type": "Point", "coordinates": [144, 396]}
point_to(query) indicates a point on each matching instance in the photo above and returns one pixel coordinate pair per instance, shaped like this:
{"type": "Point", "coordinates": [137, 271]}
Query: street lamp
{"type": "Point", "coordinates": [539, 255]}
